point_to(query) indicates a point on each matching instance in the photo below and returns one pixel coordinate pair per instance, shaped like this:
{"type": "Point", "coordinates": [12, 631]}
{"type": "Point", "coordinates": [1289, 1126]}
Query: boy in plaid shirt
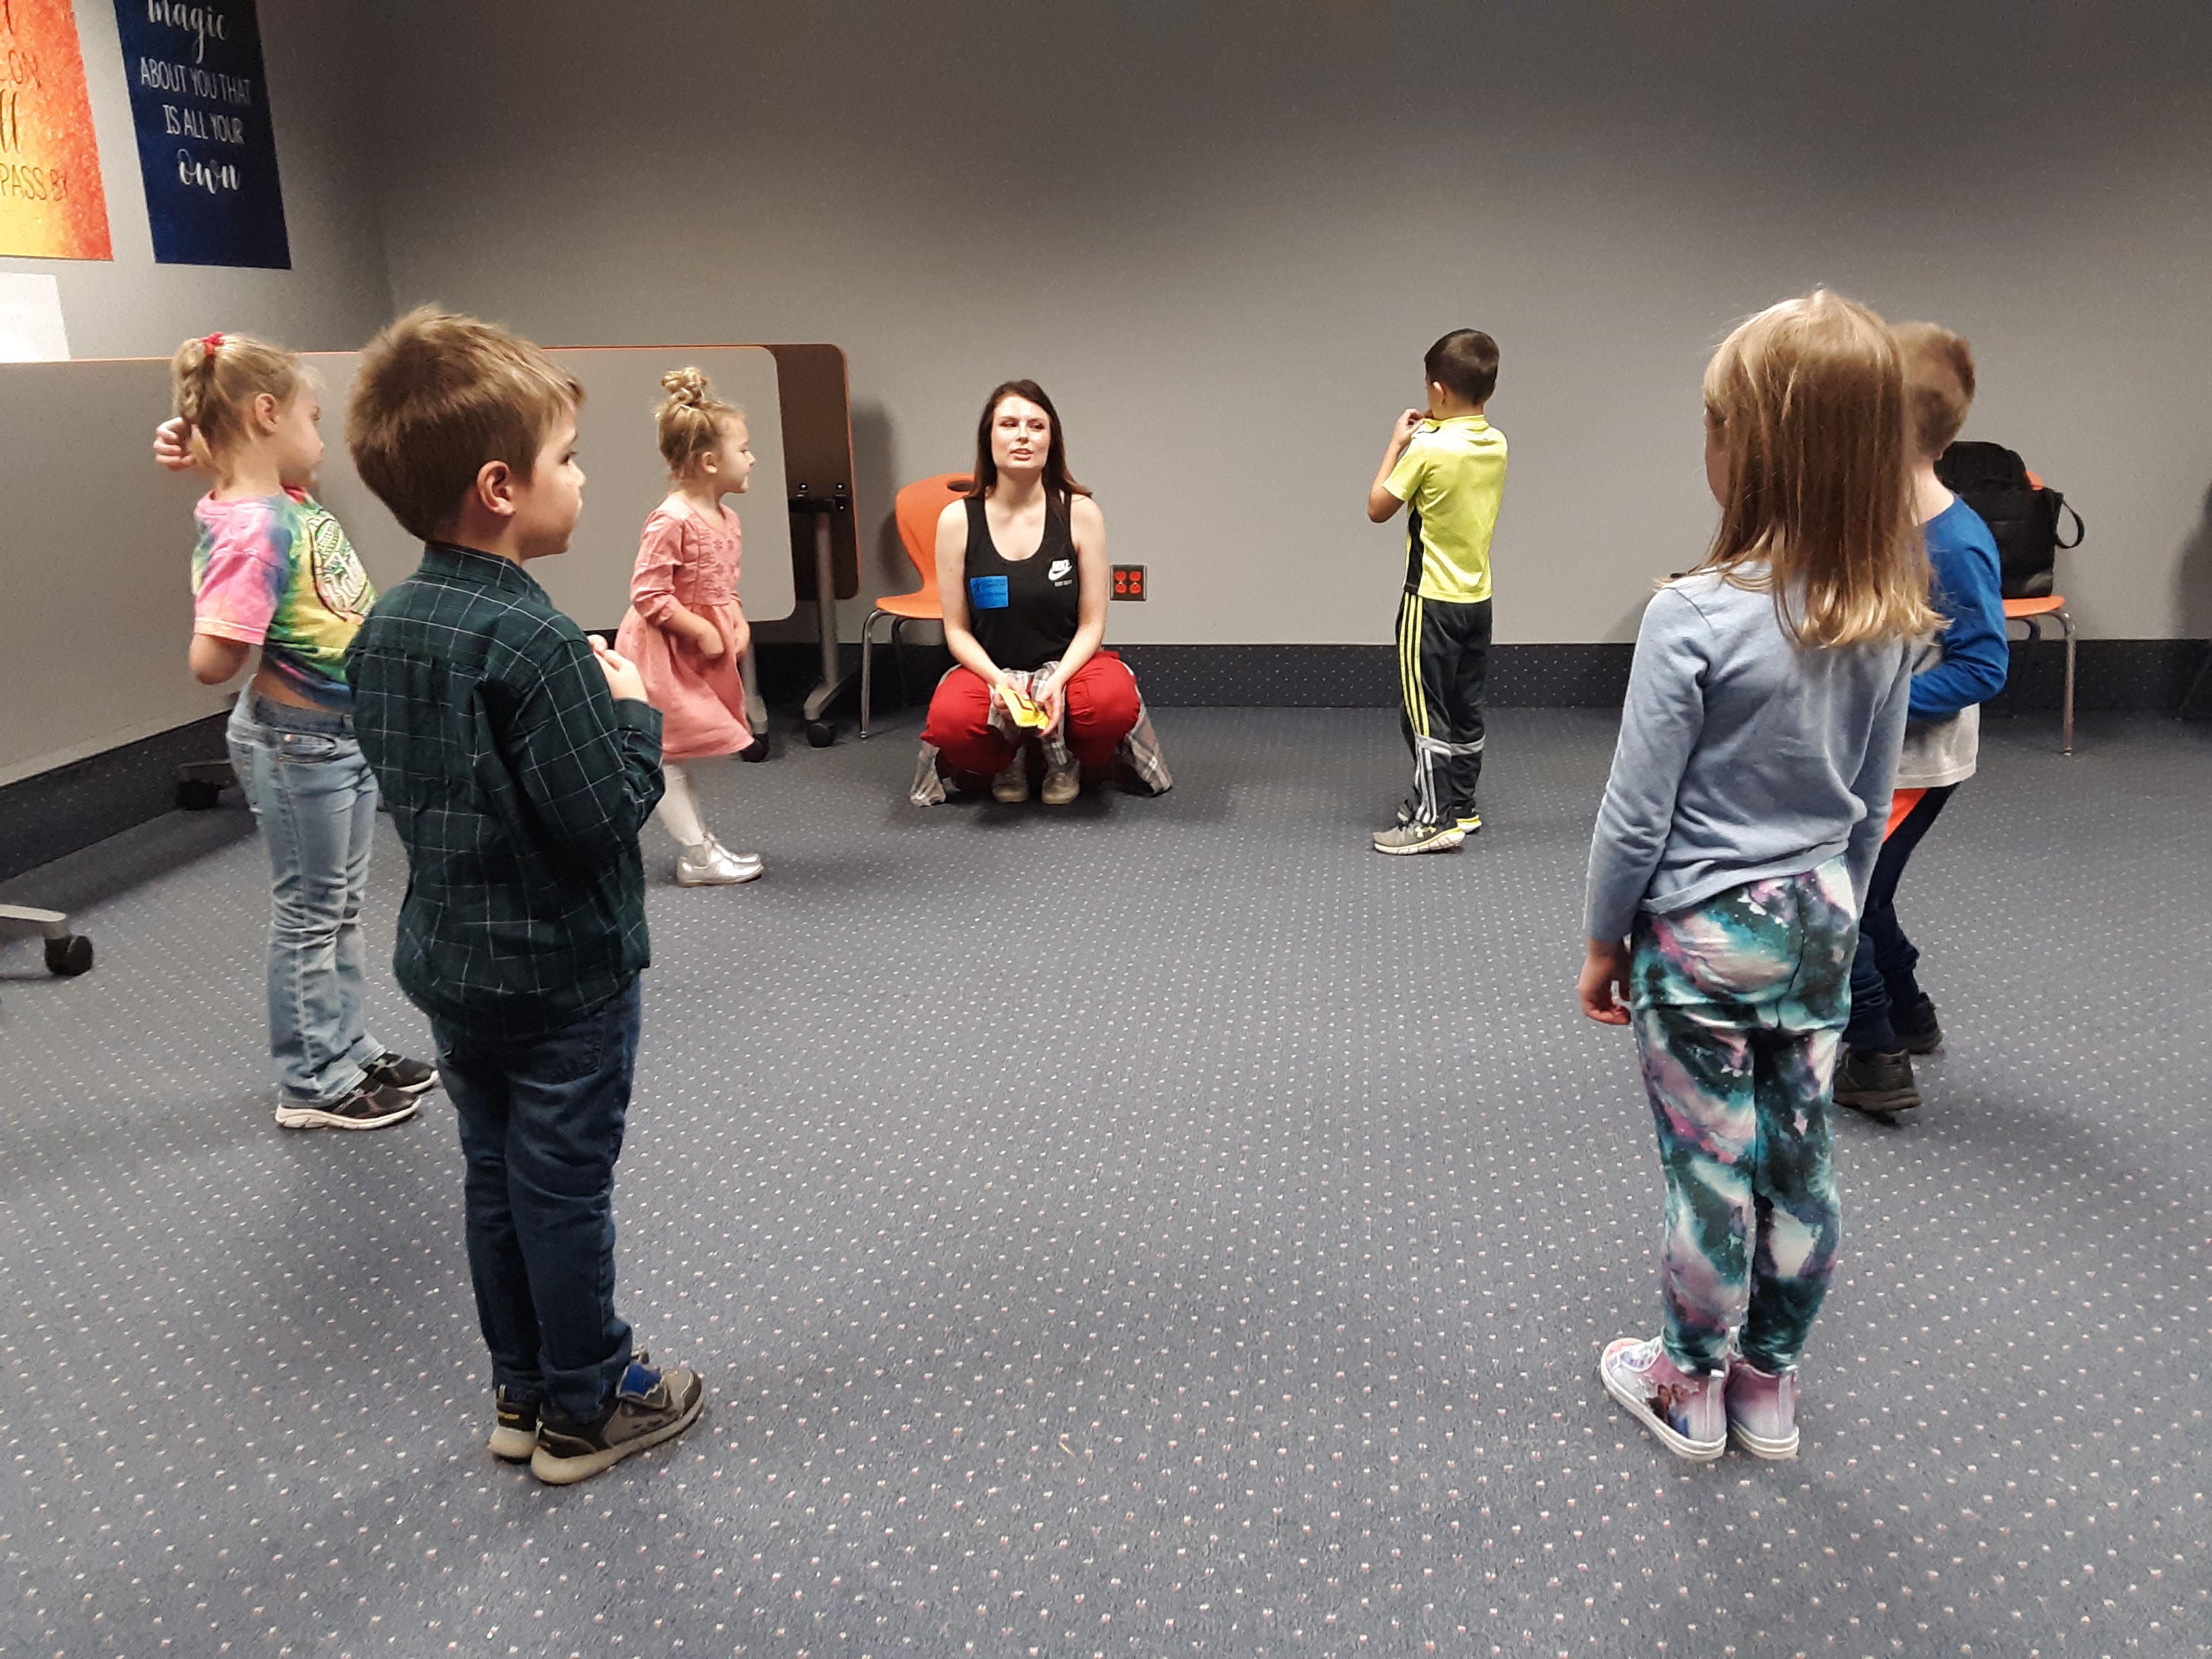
{"type": "Point", "coordinates": [518, 761]}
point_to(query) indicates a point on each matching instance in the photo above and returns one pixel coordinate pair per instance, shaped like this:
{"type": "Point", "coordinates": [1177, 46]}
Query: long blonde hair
{"type": "Point", "coordinates": [1807, 401]}
{"type": "Point", "coordinates": [215, 381]}
{"type": "Point", "coordinates": [690, 419]}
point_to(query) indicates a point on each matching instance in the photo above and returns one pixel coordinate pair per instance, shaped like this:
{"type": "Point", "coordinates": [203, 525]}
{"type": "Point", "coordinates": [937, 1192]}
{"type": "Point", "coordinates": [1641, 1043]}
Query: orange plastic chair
{"type": "Point", "coordinates": [2032, 614]}
{"type": "Point", "coordinates": [917, 509]}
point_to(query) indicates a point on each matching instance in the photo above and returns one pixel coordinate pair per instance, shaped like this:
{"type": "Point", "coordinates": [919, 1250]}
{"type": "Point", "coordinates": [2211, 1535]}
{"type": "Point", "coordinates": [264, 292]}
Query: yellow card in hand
{"type": "Point", "coordinates": [1025, 712]}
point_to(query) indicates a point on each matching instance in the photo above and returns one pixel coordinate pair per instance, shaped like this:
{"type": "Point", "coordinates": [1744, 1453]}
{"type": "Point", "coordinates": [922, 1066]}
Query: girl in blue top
{"type": "Point", "coordinates": [1892, 1017]}
{"type": "Point", "coordinates": [1740, 826]}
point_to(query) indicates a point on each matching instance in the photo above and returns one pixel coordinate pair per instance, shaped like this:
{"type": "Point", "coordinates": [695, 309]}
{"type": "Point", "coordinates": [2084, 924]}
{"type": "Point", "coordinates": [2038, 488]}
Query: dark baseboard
{"type": "Point", "coordinates": [53, 813]}
{"type": "Point", "coordinates": [2112, 675]}
{"type": "Point", "coordinates": [61, 811]}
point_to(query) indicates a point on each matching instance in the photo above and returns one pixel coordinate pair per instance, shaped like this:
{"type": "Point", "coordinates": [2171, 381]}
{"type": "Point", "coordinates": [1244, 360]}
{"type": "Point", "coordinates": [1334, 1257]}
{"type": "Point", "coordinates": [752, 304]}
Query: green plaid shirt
{"type": "Point", "coordinates": [519, 786]}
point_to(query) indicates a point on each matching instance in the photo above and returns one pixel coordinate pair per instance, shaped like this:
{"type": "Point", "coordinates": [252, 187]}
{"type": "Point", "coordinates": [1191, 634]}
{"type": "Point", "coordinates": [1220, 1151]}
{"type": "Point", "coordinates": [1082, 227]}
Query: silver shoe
{"type": "Point", "coordinates": [1012, 785]}
{"type": "Point", "coordinates": [712, 865]}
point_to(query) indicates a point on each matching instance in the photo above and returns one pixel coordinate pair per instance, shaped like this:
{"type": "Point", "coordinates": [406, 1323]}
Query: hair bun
{"type": "Point", "coordinates": [687, 386]}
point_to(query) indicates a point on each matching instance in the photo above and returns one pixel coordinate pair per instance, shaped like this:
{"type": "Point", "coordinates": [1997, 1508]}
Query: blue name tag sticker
{"type": "Point", "coordinates": [987, 592]}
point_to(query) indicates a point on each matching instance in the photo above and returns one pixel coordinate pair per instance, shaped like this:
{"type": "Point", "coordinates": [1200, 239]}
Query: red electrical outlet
{"type": "Point", "coordinates": [1128, 581]}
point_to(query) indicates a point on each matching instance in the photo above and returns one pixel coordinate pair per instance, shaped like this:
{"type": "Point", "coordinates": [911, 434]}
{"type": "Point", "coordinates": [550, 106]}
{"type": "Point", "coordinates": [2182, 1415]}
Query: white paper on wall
{"type": "Point", "coordinates": [31, 327]}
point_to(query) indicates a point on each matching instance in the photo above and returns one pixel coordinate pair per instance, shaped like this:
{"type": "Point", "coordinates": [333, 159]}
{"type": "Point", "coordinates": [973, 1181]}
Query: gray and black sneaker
{"type": "Point", "coordinates": [394, 1070]}
{"type": "Point", "coordinates": [1419, 838]}
{"type": "Point", "coordinates": [1918, 1031]}
{"type": "Point", "coordinates": [650, 1406]}
{"type": "Point", "coordinates": [372, 1106]}
{"type": "Point", "coordinates": [1878, 1084]}
{"type": "Point", "coordinates": [515, 1435]}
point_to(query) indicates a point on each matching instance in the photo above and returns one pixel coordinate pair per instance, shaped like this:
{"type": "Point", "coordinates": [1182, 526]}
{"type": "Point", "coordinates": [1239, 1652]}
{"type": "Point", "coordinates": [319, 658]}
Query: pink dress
{"type": "Point", "coordinates": [683, 559]}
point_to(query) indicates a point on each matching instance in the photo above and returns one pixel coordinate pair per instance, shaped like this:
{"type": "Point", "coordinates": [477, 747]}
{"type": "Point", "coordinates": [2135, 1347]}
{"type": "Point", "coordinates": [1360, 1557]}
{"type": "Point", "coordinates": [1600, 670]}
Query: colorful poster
{"type": "Point", "coordinates": [200, 102]}
{"type": "Point", "coordinates": [51, 206]}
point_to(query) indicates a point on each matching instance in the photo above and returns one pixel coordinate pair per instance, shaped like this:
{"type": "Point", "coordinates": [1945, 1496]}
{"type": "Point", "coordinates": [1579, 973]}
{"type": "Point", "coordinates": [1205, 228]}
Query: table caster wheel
{"type": "Point", "coordinates": [197, 795]}
{"type": "Point", "coordinates": [69, 957]}
{"type": "Point", "coordinates": [821, 733]}
{"type": "Point", "coordinates": [756, 750]}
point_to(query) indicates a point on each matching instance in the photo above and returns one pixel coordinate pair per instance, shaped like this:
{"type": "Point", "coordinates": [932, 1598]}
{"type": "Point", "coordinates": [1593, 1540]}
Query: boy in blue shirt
{"type": "Point", "coordinates": [1892, 1018]}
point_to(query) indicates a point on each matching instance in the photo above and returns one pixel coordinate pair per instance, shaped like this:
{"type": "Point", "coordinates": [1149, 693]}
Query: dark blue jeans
{"type": "Point", "coordinates": [541, 1126]}
{"type": "Point", "coordinates": [1882, 973]}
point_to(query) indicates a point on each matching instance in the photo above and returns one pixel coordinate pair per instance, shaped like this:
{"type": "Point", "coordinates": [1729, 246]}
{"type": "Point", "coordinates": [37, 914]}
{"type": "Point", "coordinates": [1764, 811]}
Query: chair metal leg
{"type": "Point", "coordinates": [868, 664]}
{"type": "Point", "coordinates": [755, 705]}
{"type": "Point", "coordinates": [2066, 727]}
{"type": "Point", "coordinates": [898, 655]}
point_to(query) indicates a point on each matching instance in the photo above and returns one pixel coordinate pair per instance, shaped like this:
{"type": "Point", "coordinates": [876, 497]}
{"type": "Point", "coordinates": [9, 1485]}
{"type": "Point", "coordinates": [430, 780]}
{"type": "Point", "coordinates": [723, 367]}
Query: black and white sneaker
{"type": "Point", "coordinates": [650, 1406]}
{"type": "Point", "coordinates": [369, 1107]}
{"type": "Point", "coordinates": [393, 1070]}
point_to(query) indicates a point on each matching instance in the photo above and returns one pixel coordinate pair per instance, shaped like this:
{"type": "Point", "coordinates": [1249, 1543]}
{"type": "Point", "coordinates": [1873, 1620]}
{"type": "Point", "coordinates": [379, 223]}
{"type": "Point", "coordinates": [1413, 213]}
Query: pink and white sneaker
{"type": "Point", "coordinates": [1688, 1414]}
{"type": "Point", "coordinates": [1762, 1410]}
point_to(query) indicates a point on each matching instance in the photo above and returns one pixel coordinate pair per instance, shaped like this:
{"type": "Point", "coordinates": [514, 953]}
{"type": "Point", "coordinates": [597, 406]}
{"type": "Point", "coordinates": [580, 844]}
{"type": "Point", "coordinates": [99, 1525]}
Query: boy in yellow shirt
{"type": "Point", "coordinates": [1449, 467]}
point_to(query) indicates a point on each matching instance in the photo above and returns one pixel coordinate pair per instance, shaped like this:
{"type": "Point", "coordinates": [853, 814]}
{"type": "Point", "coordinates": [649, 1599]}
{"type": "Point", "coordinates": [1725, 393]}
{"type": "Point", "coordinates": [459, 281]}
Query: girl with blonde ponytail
{"type": "Point", "coordinates": [1748, 795]}
{"type": "Point", "coordinates": [685, 629]}
{"type": "Point", "coordinates": [273, 571]}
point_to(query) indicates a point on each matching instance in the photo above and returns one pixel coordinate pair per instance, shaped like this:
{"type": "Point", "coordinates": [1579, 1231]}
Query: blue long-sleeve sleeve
{"type": "Point", "coordinates": [1969, 591]}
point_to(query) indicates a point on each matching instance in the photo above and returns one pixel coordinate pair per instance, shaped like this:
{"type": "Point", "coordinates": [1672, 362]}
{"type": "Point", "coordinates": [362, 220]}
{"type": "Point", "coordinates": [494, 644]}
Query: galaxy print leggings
{"type": "Point", "coordinates": [1739, 1006]}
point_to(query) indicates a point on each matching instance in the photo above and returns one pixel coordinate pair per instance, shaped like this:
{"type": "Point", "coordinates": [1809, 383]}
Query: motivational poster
{"type": "Point", "coordinates": [51, 206]}
{"type": "Point", "coordinates": [200, 102]}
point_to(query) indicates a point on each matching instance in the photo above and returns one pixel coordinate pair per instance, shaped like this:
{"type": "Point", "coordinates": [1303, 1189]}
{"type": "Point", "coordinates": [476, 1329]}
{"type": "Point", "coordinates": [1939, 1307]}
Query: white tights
{"type": "Point", "coordinates": [678, 810]}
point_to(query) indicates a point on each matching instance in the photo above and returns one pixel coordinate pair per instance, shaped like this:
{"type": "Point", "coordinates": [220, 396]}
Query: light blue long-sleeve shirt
{"type": "Point", "coordinates": [1742, 755]}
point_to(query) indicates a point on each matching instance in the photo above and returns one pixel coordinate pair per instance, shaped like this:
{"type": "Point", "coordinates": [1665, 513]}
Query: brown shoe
{"type": "Point", "coordinates": [1880, 1085]}
{"type": "Point", "coordinates": [650, 1406]}
{"type": "Point", "coordinates": [1062, 784]}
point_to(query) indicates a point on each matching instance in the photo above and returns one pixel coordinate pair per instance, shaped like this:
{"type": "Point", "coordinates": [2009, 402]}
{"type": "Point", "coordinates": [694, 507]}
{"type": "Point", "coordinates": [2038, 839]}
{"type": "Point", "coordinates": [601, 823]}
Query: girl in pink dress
{"type": "Point", "coordinates": [684, 629]}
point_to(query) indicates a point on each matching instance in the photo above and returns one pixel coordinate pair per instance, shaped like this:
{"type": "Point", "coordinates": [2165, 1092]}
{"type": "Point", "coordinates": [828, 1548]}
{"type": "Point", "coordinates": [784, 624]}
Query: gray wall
{"type": "Point", "coordinates": [97, 657]}
{"type": "Point", "coordinates": [1220, 235]}
{"type": "Point", "coordinates": [336, 295]}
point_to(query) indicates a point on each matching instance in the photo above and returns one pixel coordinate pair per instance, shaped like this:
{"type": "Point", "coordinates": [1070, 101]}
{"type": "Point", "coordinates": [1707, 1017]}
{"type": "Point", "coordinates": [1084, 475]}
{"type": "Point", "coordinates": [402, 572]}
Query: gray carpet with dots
{"type": "Point", "coordinates": [1150, 1227]}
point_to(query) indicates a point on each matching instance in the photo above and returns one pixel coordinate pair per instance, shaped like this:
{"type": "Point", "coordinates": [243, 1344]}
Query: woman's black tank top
{"type": "Point", "coordinates": [1023, 611]}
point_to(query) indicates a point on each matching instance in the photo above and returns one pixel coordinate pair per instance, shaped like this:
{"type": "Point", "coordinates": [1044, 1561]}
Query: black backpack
{"type": "Point", "coordinates": [2021, 514]}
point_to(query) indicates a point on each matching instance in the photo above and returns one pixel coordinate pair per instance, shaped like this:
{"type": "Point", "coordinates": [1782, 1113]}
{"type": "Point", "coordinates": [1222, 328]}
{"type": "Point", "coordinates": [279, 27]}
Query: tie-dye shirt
{"type": "Point", "coordinates": [275, 571]}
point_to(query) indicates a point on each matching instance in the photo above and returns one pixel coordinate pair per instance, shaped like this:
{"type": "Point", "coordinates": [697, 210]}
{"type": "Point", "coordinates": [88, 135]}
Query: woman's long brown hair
{"type": "Point", "coordinates": [1059, 487]}
{"type": "Point", "coordinates": [1807, 400]}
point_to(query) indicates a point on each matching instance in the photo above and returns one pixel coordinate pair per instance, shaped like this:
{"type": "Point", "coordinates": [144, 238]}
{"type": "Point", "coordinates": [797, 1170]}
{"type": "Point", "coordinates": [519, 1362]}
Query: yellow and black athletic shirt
{"type": "Point", "coordinates": [1451, 477]}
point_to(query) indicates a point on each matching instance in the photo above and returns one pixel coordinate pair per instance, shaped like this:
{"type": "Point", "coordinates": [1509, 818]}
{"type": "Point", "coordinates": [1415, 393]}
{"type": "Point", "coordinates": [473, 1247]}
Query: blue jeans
{"type": "Point", "coordinates": [1884, 977]}
{"type": "Point", "coordinates": [315, 800]}
{"type": "Point", "coordinates": [541, 1126]}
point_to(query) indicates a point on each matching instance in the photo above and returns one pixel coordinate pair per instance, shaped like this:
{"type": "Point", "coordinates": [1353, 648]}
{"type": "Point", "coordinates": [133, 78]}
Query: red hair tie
{"type": "Point", "coordinates": [212, 341]}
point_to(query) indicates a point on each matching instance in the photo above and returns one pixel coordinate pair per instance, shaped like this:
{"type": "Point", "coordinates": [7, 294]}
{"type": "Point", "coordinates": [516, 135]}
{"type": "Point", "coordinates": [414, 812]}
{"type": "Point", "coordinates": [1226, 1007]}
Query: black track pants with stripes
{"type": "Point", "coordinates": [1443, 658]}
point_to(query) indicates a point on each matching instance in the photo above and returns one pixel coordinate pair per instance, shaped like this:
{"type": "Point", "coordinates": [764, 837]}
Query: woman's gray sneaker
{"type": "Point", "coordinates": [650, 1406]}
